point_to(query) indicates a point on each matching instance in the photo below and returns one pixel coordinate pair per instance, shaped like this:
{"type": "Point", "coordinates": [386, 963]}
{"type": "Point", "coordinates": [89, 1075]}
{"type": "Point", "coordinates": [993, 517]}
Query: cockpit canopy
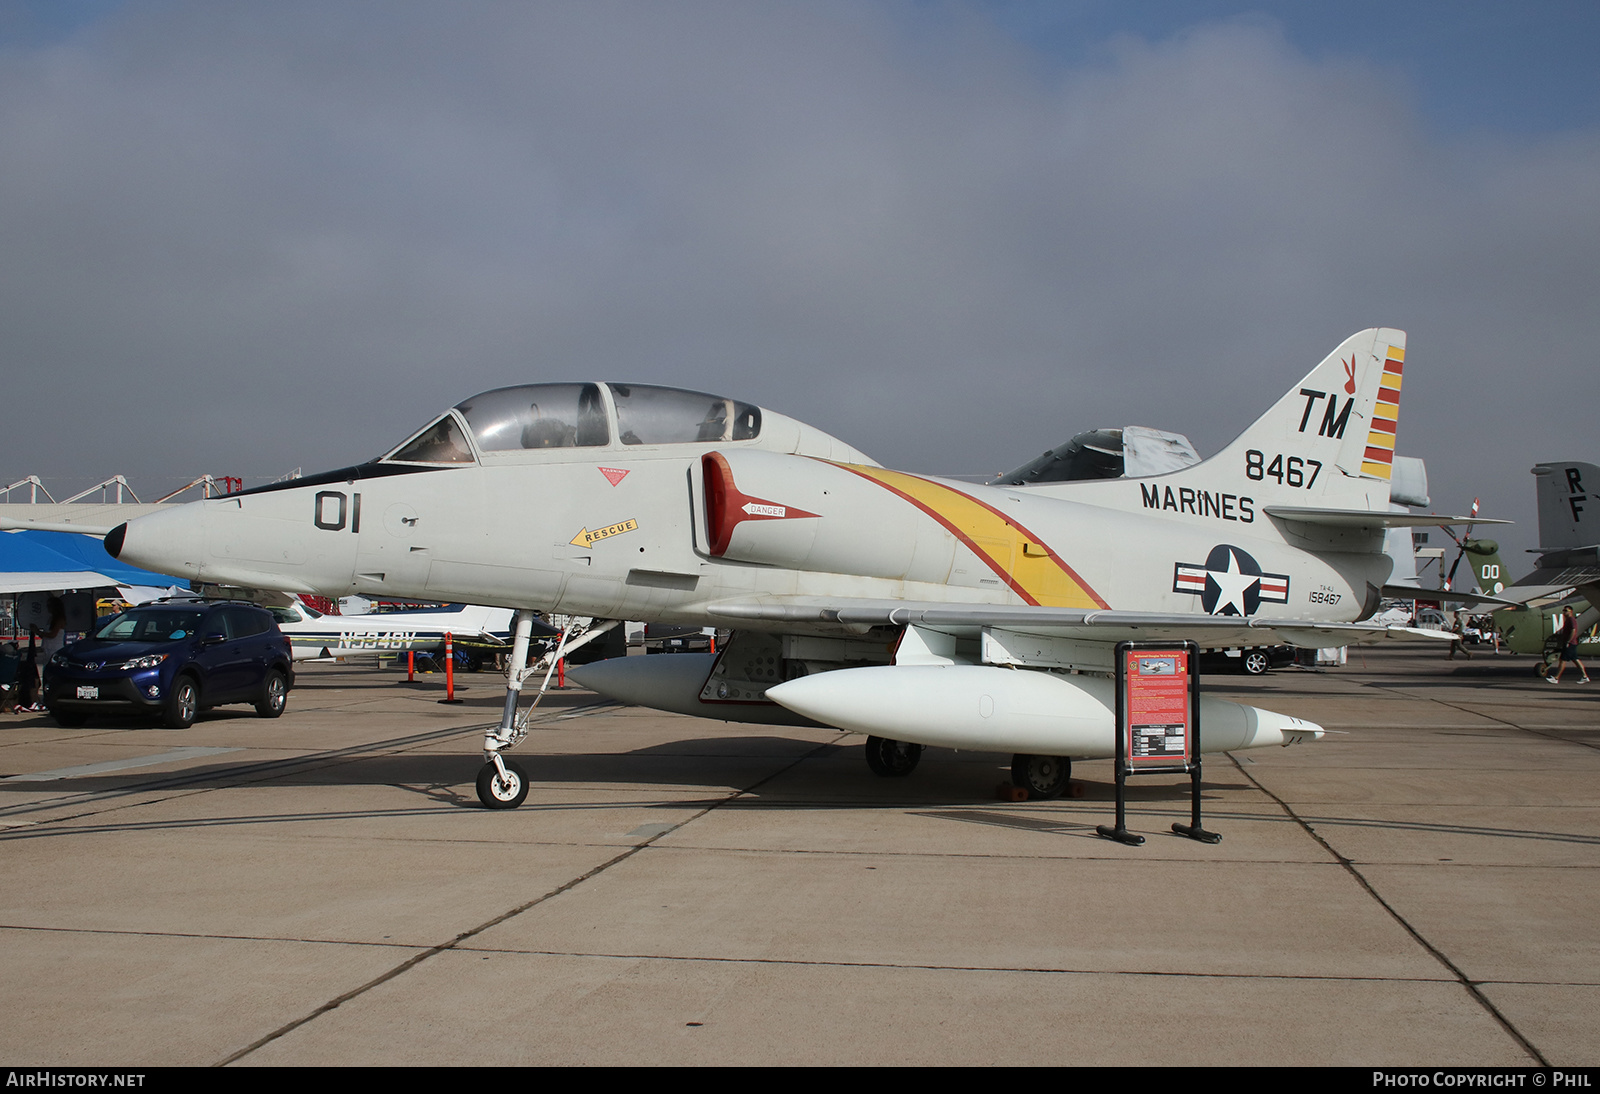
{"type": "Point", "coordinates": [540, 416]}
{"type": "Point", "coordinates": [537, 416]}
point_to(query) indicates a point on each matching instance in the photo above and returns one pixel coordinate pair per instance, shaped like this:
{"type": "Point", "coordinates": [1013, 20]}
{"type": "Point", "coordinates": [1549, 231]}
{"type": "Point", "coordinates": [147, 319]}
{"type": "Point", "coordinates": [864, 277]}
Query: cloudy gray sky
{"type": "Point", "coordinates": [243, 238]}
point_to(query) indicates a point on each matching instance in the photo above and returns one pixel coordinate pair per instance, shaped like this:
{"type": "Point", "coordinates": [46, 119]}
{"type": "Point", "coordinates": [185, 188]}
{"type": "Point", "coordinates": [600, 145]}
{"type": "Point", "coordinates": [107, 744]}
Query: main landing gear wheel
{"type": "Point", "coordinates": [1256, 662]}
{"type": "Point", "coordinates": [1043, 777]}
{"type": "Point", "coordinates": [892, 759]}
{"type": "Point", "coordinates": [507, 793]}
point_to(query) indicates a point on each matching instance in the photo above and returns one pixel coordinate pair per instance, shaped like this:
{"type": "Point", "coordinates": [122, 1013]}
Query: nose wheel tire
{"type": "Point", "coordinates": [892, 759]}
{"type": "Point", "coordinates": [507, 793]}
{"type": "Point", "coordinates": [1043, 777]}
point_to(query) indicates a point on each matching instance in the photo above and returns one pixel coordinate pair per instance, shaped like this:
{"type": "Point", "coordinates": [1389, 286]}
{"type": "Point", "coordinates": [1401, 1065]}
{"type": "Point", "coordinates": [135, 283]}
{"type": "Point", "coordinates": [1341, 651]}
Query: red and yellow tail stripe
{"type": "Point", "coordinates": [1021, 559]}
{"type": "Point", "coordinates": [1379, 458]}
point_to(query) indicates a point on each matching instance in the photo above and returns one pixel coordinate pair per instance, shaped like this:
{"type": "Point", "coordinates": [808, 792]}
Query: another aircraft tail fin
{"type": "Point", "coordinates": [1486, 567]}
{"type": "Point", "coordinates": [1569, 512]}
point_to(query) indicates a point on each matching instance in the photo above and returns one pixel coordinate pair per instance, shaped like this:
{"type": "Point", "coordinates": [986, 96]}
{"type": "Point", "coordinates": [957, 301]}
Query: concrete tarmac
{"type": "Point", "coordinates": [1417, 889]}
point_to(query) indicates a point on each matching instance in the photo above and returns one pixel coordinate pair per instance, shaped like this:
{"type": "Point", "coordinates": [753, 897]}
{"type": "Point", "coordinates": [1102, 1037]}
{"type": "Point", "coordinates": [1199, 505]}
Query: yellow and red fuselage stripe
{"type": "Point", "coordinates": [1020, 558]}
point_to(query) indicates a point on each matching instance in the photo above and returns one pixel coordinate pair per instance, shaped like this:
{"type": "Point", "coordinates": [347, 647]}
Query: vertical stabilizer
{"type": "Point", "coordinates": [1486, 566]}
{"type": "Point", "coordinates": [1569, 515]}
{"type": "Point", "coordinates": [1329, 441]}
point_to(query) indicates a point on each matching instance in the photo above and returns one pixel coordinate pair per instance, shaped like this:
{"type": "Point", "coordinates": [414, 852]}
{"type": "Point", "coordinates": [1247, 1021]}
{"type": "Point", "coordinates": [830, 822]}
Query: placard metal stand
{"type": "Point", "coordinates": [1158, 726]}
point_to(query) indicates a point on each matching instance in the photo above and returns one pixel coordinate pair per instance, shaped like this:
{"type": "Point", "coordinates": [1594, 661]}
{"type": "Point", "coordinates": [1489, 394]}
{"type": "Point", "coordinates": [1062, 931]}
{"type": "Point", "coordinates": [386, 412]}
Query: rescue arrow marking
{"type": "Point", "coordinates": [587, 538]}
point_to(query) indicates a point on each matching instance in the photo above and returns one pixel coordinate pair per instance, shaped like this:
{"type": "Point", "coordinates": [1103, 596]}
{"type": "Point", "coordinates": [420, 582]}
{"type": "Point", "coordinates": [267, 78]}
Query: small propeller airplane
{"type": "Point", "coordinates": [476, 632]}
{"type": "Point", "coordinates": [1567, 573]}
{"type": "Point", "coordinates": [912, 609]}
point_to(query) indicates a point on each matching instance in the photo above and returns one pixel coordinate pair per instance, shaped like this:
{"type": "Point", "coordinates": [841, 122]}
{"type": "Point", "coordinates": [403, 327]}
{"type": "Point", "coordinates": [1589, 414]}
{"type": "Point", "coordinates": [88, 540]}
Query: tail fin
{"type": "Point", "coordinates": [1569, 513]}
{"type": "Point", "coordinates": [1328, 442]}
{"type": "Point", "coordinates": [1339, 423]}
{"type": "Point", "coordinates": [1485, 556]}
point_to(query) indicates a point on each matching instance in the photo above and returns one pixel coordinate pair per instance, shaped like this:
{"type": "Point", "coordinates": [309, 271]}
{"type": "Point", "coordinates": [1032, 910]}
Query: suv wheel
{"type": "Point", "coordinates": [183, 703]}
{"type": "Point", "coordinates": [274, 695]}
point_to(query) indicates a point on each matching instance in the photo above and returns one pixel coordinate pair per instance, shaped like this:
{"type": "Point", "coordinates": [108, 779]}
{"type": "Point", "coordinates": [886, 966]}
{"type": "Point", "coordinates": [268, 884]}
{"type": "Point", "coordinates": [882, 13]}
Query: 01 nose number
{"type": "Point", "coordinates": [331, 511]}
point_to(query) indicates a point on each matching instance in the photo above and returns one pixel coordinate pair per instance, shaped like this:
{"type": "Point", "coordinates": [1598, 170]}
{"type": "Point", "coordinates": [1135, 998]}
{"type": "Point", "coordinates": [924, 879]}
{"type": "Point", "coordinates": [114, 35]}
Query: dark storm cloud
{"type": "Point", "coordinates": [245, 238]}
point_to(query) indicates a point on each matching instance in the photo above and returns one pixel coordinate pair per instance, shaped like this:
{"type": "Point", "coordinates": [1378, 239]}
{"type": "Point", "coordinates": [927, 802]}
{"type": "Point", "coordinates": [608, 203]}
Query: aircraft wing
{"type": "Point", "coordinates": [11, 524]}
{"type": "Point", "coordinates": [1099, 625]}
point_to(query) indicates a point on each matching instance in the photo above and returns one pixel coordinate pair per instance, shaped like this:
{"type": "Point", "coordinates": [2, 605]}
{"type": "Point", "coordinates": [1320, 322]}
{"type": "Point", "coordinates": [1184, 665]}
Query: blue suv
{"type": "Point", "coordinates": [173, 659]}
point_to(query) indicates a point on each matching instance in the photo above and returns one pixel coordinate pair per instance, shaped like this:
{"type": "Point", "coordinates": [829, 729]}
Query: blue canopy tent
{"type": "Point", "coordinates": [27, 566]}
{"type": "Point", "coordinates": [88, 553]}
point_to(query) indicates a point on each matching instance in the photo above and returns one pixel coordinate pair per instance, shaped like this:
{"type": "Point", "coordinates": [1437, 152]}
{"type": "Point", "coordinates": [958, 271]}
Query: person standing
{"type": "Point", "coordinates": [1569, 647]}
{"type": "Point", "coordinates": [42, 645]}
{"type": "Point", "coordinates": [52, 639]}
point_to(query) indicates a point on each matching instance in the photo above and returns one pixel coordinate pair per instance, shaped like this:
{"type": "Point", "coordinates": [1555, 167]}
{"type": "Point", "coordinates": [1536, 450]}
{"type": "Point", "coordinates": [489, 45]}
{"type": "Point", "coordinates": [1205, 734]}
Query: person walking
{"type": "Point", "coordinates": [1459, 643]}
{"type": "Point", "coordinates": [1569, 647]}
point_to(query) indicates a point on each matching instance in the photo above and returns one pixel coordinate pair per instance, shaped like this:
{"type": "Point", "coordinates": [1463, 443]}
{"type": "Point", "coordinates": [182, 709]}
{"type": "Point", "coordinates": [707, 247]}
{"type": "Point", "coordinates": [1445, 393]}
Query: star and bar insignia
{"type": "Point", "coordinates": [1230, 582]}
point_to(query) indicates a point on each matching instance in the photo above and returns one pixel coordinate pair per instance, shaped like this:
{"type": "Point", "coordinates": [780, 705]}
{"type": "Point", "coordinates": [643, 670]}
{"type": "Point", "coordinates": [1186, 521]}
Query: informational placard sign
{"type": "Point", "coordinates": [1157, 701]}
{"type": "Point", "coordinates": [1158, 726]}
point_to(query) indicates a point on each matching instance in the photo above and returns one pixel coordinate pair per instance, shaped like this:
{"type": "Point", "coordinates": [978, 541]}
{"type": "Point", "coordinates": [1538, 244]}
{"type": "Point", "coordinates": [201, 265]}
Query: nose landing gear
{"type": "Point", "coordinates": [502, 783]}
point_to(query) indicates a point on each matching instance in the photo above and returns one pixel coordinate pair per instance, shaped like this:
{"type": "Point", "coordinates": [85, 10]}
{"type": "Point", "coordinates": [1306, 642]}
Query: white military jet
{"type": "Point", "coordinates": [909, 608]}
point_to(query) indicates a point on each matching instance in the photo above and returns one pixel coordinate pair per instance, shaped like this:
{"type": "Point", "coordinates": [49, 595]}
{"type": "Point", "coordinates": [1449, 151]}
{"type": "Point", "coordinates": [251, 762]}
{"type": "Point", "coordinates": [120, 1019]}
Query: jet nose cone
{"type": "Point", "coordinates": [168, 541]}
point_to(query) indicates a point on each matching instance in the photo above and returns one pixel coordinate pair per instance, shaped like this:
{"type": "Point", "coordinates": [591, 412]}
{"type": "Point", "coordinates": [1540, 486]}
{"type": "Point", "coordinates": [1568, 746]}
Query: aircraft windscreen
{"type": "Point", "coordinates": [647, 414]}
{"type": "Point", "coordinates": [287, 615]}
{"type": "Point", "coordinates": [441, 442]}
{"type": "Point", "coordinates": [537, 416]}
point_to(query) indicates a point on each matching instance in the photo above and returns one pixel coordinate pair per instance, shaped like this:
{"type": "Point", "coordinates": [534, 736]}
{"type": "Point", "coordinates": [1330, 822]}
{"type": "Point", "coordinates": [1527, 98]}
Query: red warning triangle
{"type": "Point", "coordinates": [613, 475]}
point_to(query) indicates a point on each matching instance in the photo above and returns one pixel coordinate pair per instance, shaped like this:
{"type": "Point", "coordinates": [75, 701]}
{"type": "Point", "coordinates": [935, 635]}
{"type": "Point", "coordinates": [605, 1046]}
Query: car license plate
{"type": "Point", "coordinates": [85, 692]}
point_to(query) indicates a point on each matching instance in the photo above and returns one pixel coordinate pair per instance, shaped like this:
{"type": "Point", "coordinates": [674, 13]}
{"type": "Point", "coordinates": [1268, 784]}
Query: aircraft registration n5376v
{"type": "Point", "coordinates": [913, 609]}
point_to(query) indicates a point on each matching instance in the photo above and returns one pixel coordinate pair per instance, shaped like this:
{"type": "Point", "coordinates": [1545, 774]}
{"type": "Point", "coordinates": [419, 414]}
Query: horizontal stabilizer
{"type": "Point", "coordinates": [1412, 592]}
{"type": "Point", "coordinates": [1366, 518]}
